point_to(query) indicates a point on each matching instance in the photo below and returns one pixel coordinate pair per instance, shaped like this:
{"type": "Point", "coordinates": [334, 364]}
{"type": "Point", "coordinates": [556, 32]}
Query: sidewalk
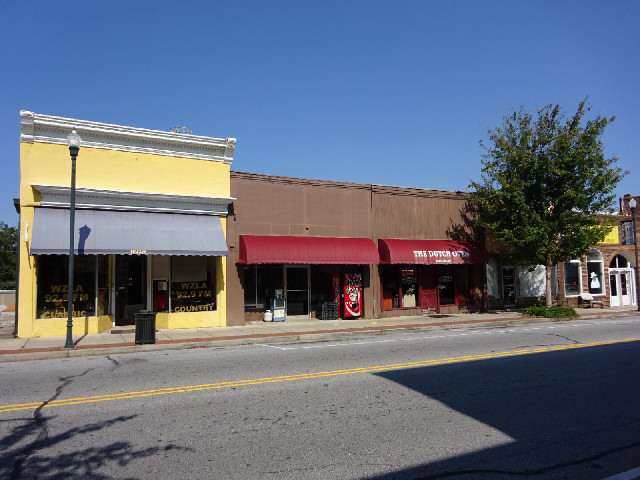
{"type": "Point", "coordinates": [121, 340]}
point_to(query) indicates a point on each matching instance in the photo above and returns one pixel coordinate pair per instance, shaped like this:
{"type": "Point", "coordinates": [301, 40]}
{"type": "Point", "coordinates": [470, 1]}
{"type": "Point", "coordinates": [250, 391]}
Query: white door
{"type": "Point", "coordinates": [614, 287]}
{"type": "Point", "coordinates": [625, 287]}
{"type": "Point", "coordinates": [622, 288]}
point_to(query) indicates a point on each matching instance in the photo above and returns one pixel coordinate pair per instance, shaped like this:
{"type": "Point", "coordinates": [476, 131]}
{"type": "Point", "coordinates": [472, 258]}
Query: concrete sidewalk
{"type": "Point", "coordinates": [121, 340]}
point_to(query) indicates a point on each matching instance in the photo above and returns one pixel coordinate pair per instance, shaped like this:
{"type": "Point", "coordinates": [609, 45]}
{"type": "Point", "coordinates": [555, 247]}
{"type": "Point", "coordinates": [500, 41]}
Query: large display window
{"type": "Point", "coordinates": [193, 284]}
{"type": "Point", "coordinates": [399, 286]}
{"type": "Point", "coordinates": [595, 272]}
{"type": "Point", "coordinates": [260, 285]}
{"type": "Point", "coordinates": [572, 278]}
{"type": "Point", "coordinates": [53, 278]}
{"type": "Point", "coordinates": [446, 285]}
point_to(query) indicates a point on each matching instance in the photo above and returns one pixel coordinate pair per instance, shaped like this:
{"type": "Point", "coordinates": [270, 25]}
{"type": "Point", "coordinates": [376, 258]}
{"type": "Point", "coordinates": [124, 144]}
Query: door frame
{"type": "Point", "coordinates": [286, 290]}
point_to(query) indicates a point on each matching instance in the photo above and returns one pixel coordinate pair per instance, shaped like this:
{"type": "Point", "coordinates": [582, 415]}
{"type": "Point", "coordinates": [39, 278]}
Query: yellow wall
{"type": "Point", "coordinates": [50, 164]}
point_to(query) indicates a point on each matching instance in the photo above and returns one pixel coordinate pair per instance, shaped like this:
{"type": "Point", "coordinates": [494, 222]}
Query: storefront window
{"type": "Point", "coordinates": [399, 286]}
{"type": "Point", "coordinates": [269, 278]}
{"type": "Point", "coordinates": [595, 269]}
{"type": "Point", "coordinates": [53, 278]}
{"type": "Point", "coordinates": [493, 279]}
{"type": "Point", "coordinates": [445, 284]}
{"type": "Point", "coordinates": [572, 278]}
{"type": "Point", "coordinates": [408, 282]}
{"type": "Point", "coordinates": [250, 286]}
{"type": "Point", "coordinates": [260, 285]}
{"type": "Point", "coordinates": [104, 299]}
{"type": "Point", "coordinates": [461, 279]}
{"type": "Point", "coordinates": [193, 284]}
{"type": "Point", "coordinates": [390, 291]}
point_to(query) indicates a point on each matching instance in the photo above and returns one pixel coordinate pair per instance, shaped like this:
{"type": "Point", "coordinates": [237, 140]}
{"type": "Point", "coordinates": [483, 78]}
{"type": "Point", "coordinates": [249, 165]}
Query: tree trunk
{"type": "Point", "coordinates": [548, 271]}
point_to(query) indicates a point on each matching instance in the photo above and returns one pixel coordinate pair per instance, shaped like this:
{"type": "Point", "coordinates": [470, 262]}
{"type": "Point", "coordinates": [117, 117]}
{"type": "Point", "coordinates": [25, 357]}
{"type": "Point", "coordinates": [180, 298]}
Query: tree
{"type": "Point", "coordinates": [545, 184]}
{"type": "Point", "coordinates": [8, 244]}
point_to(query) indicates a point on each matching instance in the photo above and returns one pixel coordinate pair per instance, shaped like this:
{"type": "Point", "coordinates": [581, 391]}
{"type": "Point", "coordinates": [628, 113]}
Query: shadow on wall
{"type": "Point", "coordinates": [466, 230]}
{"type": "Point", "coordinates": [560, 409]}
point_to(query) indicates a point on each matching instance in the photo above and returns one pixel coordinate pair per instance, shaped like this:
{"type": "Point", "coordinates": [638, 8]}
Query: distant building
{"type": "Point", "coordinates": [607, 273]}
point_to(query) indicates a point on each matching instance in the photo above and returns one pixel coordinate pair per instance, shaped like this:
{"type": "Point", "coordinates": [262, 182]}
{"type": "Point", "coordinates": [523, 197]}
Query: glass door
{"type": "Point", "coordinates": [613, 285]}
{"type": "Point", "coordinates": [509, 286]}
{"type": "Point", "coordinates": [131, 287]}
{"type": "Point", "coordinates": [297, 290]}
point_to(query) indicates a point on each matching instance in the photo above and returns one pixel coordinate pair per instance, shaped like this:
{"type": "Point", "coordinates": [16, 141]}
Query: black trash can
{"type": "Point", "coordinates": [145, 326]}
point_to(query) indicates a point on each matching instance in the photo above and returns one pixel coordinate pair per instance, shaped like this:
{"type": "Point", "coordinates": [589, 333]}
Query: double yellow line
{"type": "Point", "coordinates": [301, 376]}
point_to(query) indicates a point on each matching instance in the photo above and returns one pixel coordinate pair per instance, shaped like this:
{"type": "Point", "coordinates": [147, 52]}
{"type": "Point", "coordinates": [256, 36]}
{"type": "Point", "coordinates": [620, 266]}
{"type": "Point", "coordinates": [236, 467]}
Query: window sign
{"type": "Point", "coordinates": [193, 284]}
{"type": "Point", "coordinates": [53, 283]}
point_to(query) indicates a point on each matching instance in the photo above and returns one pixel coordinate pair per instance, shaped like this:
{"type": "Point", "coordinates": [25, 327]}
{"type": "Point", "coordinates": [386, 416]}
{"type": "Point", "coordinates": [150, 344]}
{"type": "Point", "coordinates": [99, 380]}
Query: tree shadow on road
{"type": "Point", "coordinates": [23, 452]}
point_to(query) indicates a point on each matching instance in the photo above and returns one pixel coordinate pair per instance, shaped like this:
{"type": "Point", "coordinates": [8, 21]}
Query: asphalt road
{"type": "Point", "coordinates": [548, 400]}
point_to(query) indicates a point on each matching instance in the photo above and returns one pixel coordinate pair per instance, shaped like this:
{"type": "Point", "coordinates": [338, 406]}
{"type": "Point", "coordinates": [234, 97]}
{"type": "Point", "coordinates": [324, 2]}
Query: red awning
{"type": "Point", "coordinates": [312, 250]}
{"type": "Point", "coordinates": [430, 252]}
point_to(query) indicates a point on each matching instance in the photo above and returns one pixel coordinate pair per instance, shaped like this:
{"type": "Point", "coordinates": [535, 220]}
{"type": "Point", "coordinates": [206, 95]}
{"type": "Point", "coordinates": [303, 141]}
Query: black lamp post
{"type": "Point", "coordinates": [632, 205]}
{"type": "Point", "coordinates": [74, 147]}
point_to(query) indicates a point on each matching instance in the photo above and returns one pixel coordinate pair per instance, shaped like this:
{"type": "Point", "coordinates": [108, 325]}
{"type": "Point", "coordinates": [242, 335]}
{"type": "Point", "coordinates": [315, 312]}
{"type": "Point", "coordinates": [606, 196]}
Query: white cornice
{"type": "Point", "coordinates": [35, 127]}
{"type": "Point", "coordinates": [98, 199]}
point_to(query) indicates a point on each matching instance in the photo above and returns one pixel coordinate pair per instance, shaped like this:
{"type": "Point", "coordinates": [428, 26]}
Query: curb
{"type": "Point", "coordinates": [269, 338]}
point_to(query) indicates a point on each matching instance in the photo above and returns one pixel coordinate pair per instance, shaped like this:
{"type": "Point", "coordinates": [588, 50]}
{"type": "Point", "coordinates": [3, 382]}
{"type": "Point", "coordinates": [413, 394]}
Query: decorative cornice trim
{"type": "Point", "coordinates": [35, 127]}
{"type": "Point", "coordinates": [97, 199]}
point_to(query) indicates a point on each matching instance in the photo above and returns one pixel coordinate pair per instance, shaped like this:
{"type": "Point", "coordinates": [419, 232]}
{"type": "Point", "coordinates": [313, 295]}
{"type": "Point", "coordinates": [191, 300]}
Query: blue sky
{"type": "Point", "coordinates": [385, 92]}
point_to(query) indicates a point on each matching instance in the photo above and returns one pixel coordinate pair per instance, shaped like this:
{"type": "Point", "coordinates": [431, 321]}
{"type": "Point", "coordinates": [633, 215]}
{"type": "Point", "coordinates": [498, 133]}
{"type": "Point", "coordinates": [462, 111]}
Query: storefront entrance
{"type": "Point", "coordinates": [621, 287]}
{"type": "Point", "coordinates": [297, 290]}
{"type": "Point", "coordinates": [621, 281]}
{"type": "Point", "coordinates": [130, 287]}
{"type": "Point", "coordinates": [509, 286]}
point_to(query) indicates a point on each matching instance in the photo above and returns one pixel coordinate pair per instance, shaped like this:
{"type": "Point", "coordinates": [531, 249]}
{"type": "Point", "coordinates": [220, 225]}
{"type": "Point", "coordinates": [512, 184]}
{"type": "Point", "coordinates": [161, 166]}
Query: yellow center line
{"type": "Point", "coordinates": [302, 376]}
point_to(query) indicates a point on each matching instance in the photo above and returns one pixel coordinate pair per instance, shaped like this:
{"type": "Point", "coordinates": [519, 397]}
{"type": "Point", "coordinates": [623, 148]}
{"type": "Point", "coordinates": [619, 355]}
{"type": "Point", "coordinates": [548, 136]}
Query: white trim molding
{"type": "Point", "coordinates": [35, 127]}
{"type": "Point", "coordinates": [59, 196]}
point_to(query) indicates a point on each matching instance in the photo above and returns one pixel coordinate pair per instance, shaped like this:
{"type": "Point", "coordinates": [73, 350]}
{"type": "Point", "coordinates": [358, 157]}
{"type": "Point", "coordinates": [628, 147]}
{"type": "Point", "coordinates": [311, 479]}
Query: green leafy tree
{"type": "Point", "coordinates": [8, 243]}
{"type": "Point", "coordinates": [545, 184]}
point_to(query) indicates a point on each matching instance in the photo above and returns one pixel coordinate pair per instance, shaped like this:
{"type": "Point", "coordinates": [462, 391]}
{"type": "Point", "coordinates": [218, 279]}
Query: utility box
{"type": "Point", "coordinates": [145, 327]}
{"type": "Point", "coordinates": [279, 308]}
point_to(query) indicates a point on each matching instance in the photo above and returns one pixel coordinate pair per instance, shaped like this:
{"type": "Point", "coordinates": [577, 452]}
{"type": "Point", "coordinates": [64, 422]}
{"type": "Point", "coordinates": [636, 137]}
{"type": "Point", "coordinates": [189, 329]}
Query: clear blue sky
{"type": "Point", "coordinates": [386, 92]}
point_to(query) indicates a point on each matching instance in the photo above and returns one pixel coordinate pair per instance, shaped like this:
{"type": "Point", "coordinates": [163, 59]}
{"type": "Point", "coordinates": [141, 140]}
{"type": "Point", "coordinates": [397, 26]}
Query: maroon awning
{"type": "Point", "coordinates": [430, 252]}
{"type": "Point", "coordinates": [311, 250]}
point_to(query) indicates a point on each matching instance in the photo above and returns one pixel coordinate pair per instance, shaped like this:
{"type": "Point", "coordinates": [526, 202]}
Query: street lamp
{"type": "Point", "coordinates": [74, 147]}
{"type": "Point", "coordinates": [632, 205]}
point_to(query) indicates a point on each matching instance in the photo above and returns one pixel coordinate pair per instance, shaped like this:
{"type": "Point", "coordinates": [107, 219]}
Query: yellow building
{"type": "Point", "coordinates": [150, 225]}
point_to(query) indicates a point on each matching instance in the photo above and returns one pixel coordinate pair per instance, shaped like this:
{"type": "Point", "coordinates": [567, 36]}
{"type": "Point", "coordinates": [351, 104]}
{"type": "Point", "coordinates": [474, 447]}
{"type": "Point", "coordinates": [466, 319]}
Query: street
{"type": "Point", "coordinates": [545, 400]}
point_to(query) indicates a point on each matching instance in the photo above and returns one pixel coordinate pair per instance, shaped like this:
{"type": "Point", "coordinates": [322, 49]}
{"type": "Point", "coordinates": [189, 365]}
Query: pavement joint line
{"type": "Point", "coordinates": [306, 376]}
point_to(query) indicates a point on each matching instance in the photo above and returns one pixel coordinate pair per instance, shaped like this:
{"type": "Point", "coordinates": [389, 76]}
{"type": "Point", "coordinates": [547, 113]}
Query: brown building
{"type": "Point", "coordinates": [314, 240]}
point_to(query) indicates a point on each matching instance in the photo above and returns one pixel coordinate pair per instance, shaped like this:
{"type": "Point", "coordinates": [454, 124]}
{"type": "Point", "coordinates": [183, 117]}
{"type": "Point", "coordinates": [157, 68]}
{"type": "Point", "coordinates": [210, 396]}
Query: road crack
{"type": "Point", "coordinates": [41, 424]}
{"type": "Point", "coordinates": [116, 363]}
{"type": "Point", "coordinates": [565, 338]}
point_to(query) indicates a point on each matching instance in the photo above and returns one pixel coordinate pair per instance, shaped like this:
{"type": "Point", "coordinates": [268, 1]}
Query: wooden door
{"type": "Point", "coordinates": [428, 278]}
